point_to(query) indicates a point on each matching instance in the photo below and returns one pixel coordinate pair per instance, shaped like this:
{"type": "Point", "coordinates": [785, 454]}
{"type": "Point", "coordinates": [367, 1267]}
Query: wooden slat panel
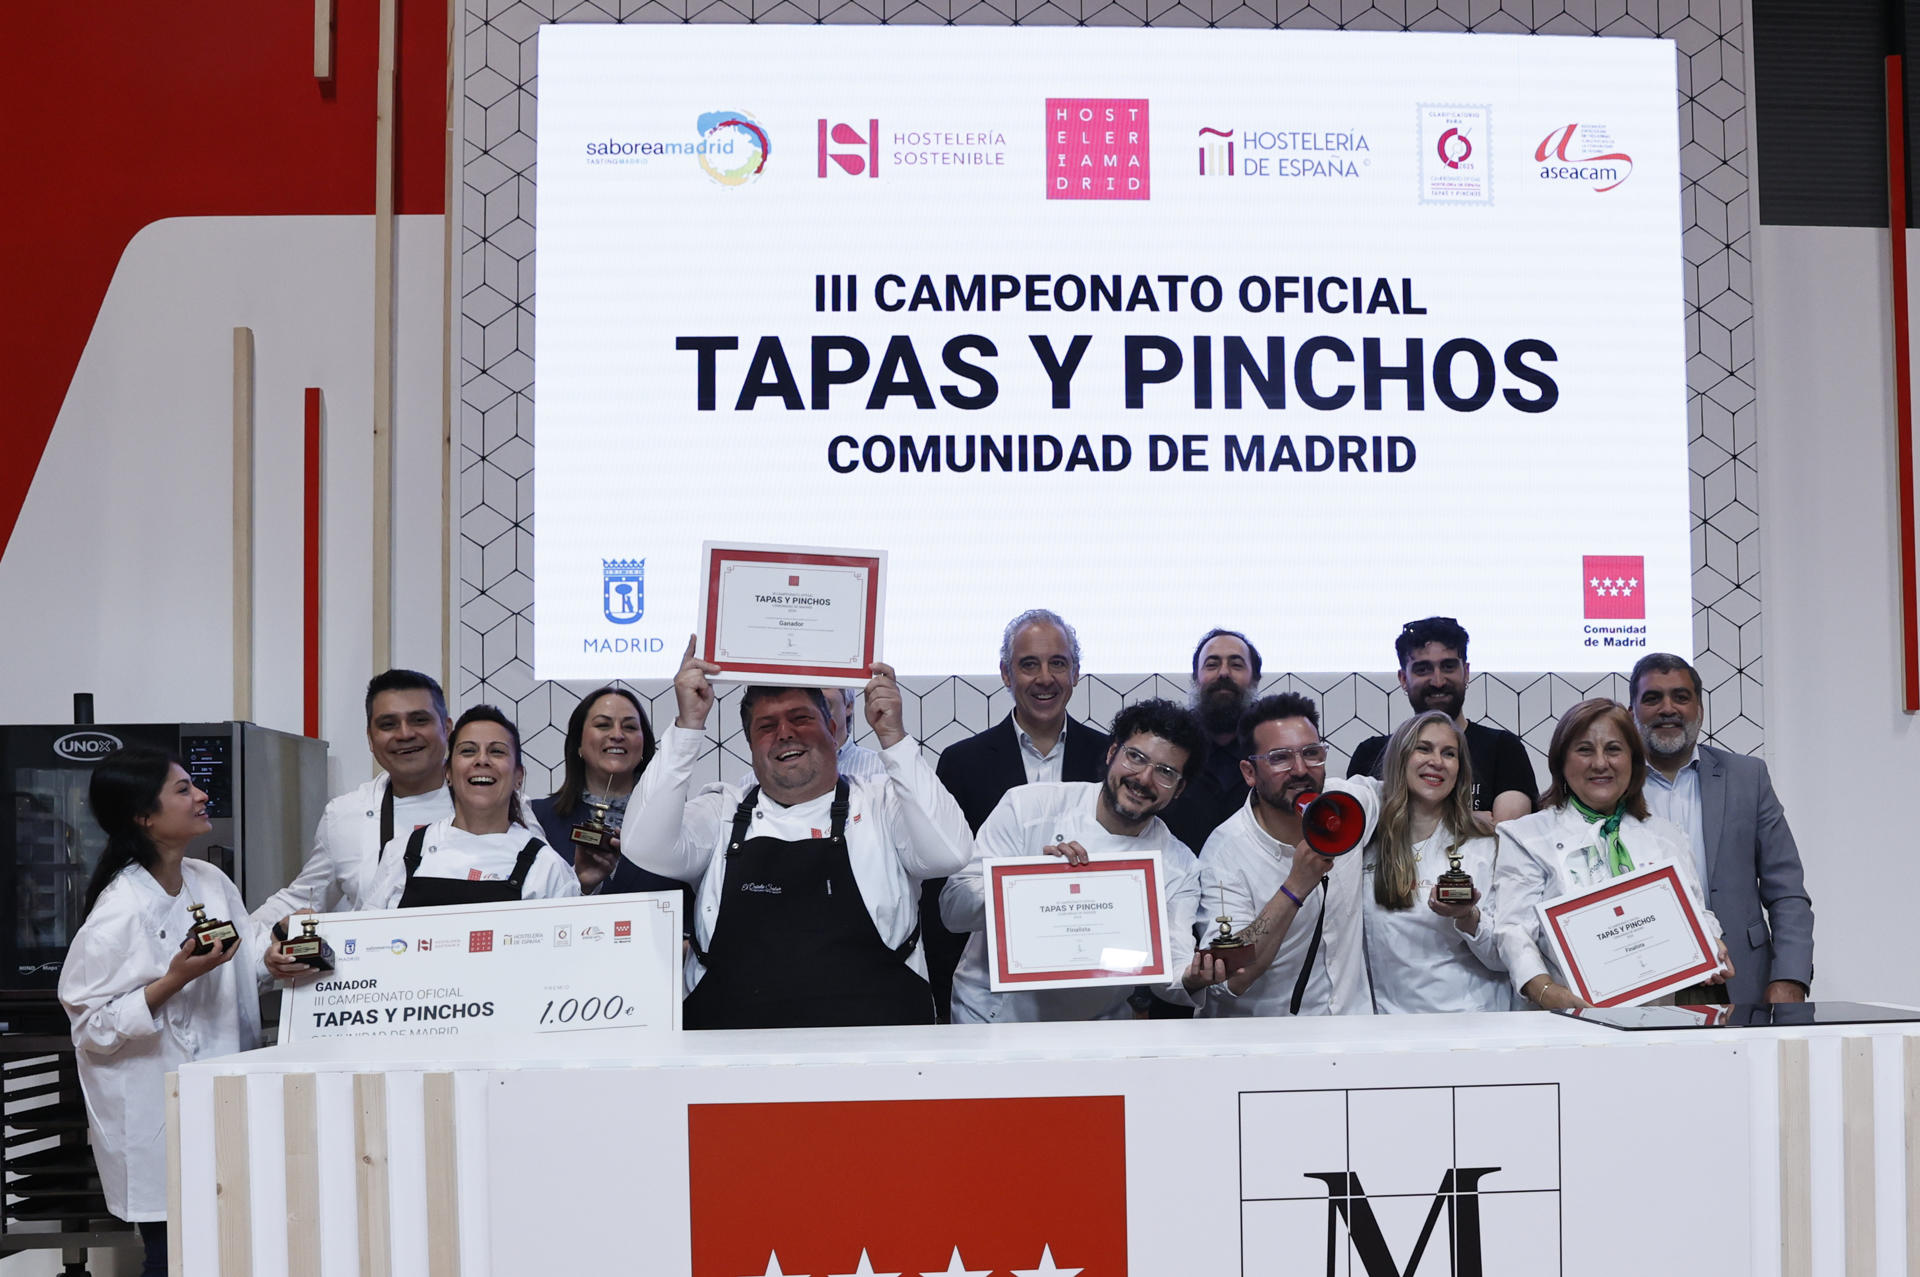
{"type": "Point", "coordinates": [300, 1101]}
{"type": "Point", "coordinates": [1911, 1090]}
{"type": "Point", "coordinates": [443, 1177]}
{"type": "Point", "coordinates": [232, 1176]}
{"type": "Point", "coordinates": [383, 234]}
{"type": "Point", "coordinates": [1796, 1162]}
{"type": "Point", "coordinates": [370, 1173]}
{"type": "Point", "coordinates": [176, 1266]}
{"type": "Point", "coordinates": [323, 39]}
{"type": "Point", "coordinates": [243, 524]}
{"type": "Point", "coordinates": [1856, 1105]}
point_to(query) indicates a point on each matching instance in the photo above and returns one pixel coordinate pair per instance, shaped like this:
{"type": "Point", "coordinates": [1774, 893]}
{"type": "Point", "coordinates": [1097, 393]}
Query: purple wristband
{"type": "Point", "coordinates": [1298, 903]}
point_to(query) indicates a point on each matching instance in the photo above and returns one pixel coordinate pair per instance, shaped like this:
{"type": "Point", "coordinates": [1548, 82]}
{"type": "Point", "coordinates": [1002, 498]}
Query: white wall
{"type": "Point", "coordinates": [118, 580]}
{"type": "Point", "coordinates": [1844, 757]}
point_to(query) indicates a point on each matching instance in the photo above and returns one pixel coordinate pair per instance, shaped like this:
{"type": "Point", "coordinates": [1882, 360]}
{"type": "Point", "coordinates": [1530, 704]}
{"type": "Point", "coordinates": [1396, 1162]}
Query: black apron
{"type": "Point", "coordinates": [423, 892]}
{"type": "Point", "coordinates": [794, 946]}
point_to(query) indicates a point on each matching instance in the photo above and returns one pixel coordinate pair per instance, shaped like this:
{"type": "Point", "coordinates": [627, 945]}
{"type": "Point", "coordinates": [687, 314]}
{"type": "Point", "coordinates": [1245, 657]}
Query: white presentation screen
{"type": "Point", "coordinates": [1306, 334]}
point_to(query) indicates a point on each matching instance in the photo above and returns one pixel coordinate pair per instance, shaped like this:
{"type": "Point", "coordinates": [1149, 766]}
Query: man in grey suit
{"type": "Point", "coordinates": [1742, 847]}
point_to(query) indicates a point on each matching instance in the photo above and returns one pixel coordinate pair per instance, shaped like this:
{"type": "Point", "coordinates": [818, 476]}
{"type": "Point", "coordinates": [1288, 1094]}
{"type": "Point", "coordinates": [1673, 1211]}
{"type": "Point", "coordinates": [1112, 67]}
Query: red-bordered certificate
{"type": "Point", "coordinates": [799, 616]}
{"type": "Point", "coordinates": [1052, 925]}
{"type": "Point", "coordinates": [1631, 939]}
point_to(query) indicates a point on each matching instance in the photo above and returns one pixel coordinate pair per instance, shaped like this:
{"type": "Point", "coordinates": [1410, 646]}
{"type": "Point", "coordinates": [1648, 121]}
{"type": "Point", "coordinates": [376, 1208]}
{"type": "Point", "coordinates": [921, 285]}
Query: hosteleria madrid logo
{"type": "Point", "coordinates": [1448, 1181]}
{"type": "Point", "coordinates": [1098, 149]}
{"type": "Point", "coordinates": [779, 1190]}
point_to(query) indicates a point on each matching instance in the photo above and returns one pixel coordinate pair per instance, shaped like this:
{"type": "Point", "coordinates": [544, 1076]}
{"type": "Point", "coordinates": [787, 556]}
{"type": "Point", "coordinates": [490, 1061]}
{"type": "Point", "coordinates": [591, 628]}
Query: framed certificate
{"type": "Point", "coordinates": [1052, 925]}
{"type": "Point", "coordinates": [793, 616]}
{"type": "Point", "coordinates": [1630, 940]}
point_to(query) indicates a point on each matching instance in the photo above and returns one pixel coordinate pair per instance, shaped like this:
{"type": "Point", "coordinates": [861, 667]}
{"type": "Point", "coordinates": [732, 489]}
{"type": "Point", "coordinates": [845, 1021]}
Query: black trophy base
{"type": "Point", "coordinates": [310, 952]}
{"type": "Point", "coordinates": [1454, 893]}
{"type": "Point", "coordinates": [208, 936]}
{"type": "Point", "coordinates": [594, 836]}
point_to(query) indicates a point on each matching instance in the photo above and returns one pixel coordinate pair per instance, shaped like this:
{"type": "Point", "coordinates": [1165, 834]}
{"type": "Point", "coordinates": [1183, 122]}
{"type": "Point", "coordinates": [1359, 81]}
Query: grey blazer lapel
{"type": "Point", "coordinates": [1713, 807]}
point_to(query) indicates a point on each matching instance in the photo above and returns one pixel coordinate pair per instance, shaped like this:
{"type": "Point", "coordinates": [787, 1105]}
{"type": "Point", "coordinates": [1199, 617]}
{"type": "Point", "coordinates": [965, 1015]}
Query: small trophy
{"type": "Point", "coordinates": [596, 831]}
{"type": "Point", "coordinates": [1229, 946]}
{"type": "Point", "coordinates": [309, 948]}
{"type": "Point", "coordinates": [209, 934]}
{"type": "Point", "coordinates": [1454, 887]}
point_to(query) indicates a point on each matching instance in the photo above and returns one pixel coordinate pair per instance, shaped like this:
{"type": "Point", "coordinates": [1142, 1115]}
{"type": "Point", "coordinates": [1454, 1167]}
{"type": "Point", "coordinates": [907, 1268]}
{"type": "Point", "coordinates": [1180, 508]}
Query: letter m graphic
{"type": "Point", "coordinates": [1458, 1195]}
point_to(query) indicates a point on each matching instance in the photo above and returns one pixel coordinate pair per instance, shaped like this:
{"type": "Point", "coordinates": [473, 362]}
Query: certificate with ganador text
{"type": "Point", "coordinates": [571, 965]}
{"type": "Point", "coordinates": [797, 616]}
{"type": "Point", "coordinates": [1630, 940]}
{"type": "Point", "coordinates": [1052, 925]}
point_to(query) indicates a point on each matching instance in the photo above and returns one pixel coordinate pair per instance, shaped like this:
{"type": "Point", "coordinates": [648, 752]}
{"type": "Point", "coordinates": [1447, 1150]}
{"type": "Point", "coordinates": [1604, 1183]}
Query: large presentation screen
{"type": "Point", "coordinates": [1306, 334]}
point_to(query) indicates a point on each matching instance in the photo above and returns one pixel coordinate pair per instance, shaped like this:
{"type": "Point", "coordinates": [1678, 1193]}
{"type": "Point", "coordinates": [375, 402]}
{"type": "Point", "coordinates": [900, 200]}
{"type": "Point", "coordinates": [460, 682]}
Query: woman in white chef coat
{"type": "Point", "coordinates": [1423, 955]}
{"type": "Point", "coordinates": [487, 852]}
{"type": "Point", "coordinates": [1592, 826]}
{"type": "Point", "coordinates": [141, 1002]}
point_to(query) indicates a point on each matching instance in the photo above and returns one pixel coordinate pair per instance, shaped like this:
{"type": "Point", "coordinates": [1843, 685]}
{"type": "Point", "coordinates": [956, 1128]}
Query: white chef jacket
{"type": "Point", "coordinates": [125, 1051]}
{"type": "Point", "coordinates": [900, 830]}
{"type": "Point", "coordinates": [1418, 961]}
{"type": "Point", "coordinates": [1028, 818]}
{"type": "Point", "coordinates": [346, 849]}
{"type": "Point", "coordinates": [1242, 868]}
{"type": "Point", "coordinates": [447, 852]}
{"type": "Point", "coordinates": [1554, 852]}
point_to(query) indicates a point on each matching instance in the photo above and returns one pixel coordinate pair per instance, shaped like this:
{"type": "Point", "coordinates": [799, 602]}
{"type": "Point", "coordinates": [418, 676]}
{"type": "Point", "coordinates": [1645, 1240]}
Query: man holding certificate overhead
{"type": "Point", "coordinates": [1021, 961]}
{"type": "Point", "coordinates": [807, 913]}
{"type": "Point", "coordinates": [1591, 892]}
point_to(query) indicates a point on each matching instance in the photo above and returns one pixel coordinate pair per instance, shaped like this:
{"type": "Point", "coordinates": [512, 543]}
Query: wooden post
{"type": "Point", "coordinates": [243, 524]}
{"type": "Point", "coordinates": [383, 263]}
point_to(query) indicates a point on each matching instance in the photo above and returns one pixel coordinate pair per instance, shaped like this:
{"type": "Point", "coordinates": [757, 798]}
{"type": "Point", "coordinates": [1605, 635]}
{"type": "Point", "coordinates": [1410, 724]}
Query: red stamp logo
{"type": "Point", "coordinates": [1615, 586]}
{"type": "Point", "coordinates": [622, 930]}
{"type": "Point", "coordinates": [480, 942]}
{"type": "Point", "coordinates": [1098, 149]}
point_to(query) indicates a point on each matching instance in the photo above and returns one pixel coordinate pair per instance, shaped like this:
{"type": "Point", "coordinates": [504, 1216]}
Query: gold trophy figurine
{"type": "Point", "coordinates": [1455, 886]}
{"type": "Point", "coordinates": [595, 833]}
{"type": "Point", "coordinates": [209, 934]}
{"type": "Point", "coordinates": [309, 948]}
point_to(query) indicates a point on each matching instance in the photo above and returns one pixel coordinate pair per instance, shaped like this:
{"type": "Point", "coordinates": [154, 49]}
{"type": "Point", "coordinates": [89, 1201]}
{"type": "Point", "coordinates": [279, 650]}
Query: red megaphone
{"type": "Point", "coordinates": [1333, 823]}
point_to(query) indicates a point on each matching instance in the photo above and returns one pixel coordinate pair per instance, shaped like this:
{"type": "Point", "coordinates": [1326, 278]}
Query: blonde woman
{"type": "Point", "coordinates": [1423, 955]}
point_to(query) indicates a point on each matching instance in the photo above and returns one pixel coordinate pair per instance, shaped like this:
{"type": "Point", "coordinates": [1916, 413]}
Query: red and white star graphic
{"type": "Point", "coordinates": [1047, 1267]}
{"type": "Point", "coordinates": [1612, 587]}
{"type": "Point", "coordinates": [773, 1268]}
{"type": "Point", "coordinates": [956, 1267]}
{"type": "Point", "coordinates": [864, 1269]}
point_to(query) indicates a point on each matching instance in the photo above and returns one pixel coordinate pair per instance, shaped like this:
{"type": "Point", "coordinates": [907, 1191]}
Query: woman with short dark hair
{"type": "Point", "coordinates": [1592, 826]}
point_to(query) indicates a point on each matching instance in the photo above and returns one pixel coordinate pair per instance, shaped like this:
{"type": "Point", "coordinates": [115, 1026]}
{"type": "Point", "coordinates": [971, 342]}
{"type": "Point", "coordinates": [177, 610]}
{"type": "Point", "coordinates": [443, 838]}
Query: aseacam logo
{"type": "Point", "coordinates": [1603, 172]}
{"type": "Point", "coordinates": [83, 747]}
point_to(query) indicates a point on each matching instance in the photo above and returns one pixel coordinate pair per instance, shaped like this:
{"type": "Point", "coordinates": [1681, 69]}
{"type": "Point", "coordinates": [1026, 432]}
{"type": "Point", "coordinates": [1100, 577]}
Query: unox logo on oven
{"type": "Point", "coordinates": [1098, 149]}
{"type": "Point", "coordinates": [85, 747]}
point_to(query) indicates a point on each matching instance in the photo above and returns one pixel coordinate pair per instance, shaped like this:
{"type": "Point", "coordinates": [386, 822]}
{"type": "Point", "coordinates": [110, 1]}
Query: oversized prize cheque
{"type": "Point", "coordinates": [1629, 940]}
{"type": "Point", "coordinates": [1054, 925]}
{"type": "Point", "coordinates": [794, 616]}
{"type": "Point", "coordinates": [533, 966]}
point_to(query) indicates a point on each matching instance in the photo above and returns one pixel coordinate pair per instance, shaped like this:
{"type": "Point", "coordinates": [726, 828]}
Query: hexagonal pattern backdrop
{"type": "Point", "coordinates": [495, 649]}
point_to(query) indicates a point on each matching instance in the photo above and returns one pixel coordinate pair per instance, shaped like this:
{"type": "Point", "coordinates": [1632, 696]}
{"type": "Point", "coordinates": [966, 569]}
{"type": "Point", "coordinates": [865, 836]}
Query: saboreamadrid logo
{"type": "Point", "coordinates": [731, 147]}
{"type": "Point", "coordinates": [1447, 1181]}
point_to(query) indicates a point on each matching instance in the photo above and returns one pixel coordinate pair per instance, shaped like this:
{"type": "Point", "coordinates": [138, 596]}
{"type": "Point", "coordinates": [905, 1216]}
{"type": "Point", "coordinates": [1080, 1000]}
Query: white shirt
{"type": "Point", "coordinates": [125, 1051]}
{"type": "Point", "coordinates": [1042, 768]}
{"type": "Point", "coordinates": [446, 852]}
{"type": "Point", "coordinates": [1027, 819]}
{"type": "Point", "coordinates": [1677, 802]}
{"type": "Point", "coordinates": [1418, 961]}
{"type": "Point", "coordinates": [1555, 852]}
{"type": "Point", "coordinates": [900, 830]}
{"type": "Point", "coordinates": [1242, 868]}
{"type": "Point", "coordinates": [346, 850]}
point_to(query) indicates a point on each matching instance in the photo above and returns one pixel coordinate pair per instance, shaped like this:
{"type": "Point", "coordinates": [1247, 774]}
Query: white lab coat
{"type": "Point", "coordinates": [1027, 819]}
{"type": "Point", "coordinates": [1418, 961]}
{"type": "Point", "coordinates": [346, 850]}
{"type": "Point", "coordinates": [447, 852]}
{"type": "Point", "coordinates": [1546, 855]}
{"type": "Point", "coordinates": [125, 1051]}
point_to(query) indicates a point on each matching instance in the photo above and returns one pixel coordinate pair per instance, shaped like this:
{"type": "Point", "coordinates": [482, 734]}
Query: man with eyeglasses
{"type": "Point", "coordinates": [1432, 653]}
{"type": "Point", "coordinates": [1157, 750]}
{"type": "Point", "coordinates": [1299, 910]}
{"type": "Point", "coordinates": [1226, 673]}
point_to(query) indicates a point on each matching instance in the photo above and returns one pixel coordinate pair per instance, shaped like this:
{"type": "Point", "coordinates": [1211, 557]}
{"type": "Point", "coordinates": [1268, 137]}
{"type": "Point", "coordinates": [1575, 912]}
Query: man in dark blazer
{"type": "Point", "coordinates": [1040, 664]}
{"type": "Point", "coordinates": [1743, 849]}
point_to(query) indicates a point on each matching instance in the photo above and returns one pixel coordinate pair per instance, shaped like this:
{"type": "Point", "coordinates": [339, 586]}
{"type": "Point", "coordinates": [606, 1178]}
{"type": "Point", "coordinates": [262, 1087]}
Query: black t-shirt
{"type": "Point", "coordinates": [1209, 798]}
{"type": "Point", "coordinates": [1500, 763]}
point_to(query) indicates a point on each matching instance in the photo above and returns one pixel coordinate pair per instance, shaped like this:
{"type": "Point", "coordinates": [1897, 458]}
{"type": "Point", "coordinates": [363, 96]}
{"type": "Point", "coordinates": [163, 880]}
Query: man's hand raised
{"type": "Point", "coordinates": [885, 712]}
{"type": "Point", "coordinates": [692, 693]}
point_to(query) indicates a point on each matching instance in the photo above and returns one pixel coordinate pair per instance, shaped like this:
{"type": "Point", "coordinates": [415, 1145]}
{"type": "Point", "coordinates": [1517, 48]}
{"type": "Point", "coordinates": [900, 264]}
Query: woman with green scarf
{"type": "Point", "coordinates": [1592, 826]}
